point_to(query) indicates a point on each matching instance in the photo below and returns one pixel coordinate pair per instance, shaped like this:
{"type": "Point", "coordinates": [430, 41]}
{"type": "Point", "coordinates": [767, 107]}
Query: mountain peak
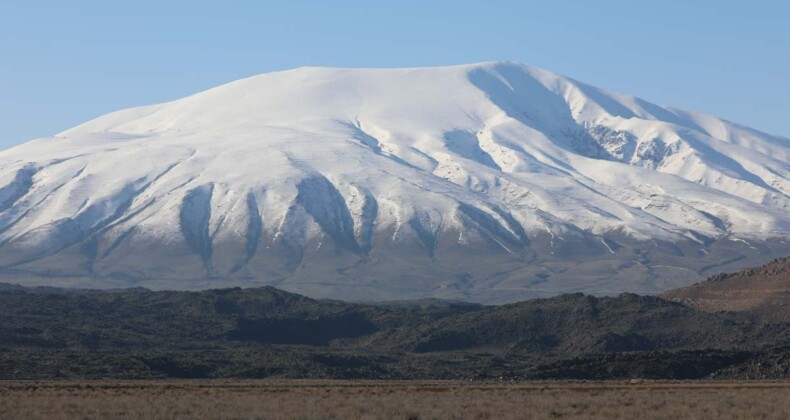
{"type": "Point", "coordinates": [491, 181]}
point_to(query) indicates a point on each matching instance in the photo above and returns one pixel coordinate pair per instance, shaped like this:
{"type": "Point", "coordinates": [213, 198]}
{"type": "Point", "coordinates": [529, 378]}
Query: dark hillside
{"type": "Point", "coordinates": [50, 333]}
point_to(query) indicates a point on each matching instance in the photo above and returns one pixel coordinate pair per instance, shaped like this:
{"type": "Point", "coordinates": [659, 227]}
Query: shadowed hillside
{"type": "Point", "coordinates": [48, 333]}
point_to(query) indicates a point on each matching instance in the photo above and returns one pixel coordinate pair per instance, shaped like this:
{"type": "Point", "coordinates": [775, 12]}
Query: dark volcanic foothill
{"type": "Point", "coordinates": [48, 333]}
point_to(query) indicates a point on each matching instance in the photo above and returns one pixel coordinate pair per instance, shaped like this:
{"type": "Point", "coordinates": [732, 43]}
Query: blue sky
{"type": "Point", "coordinates": [64, 62]}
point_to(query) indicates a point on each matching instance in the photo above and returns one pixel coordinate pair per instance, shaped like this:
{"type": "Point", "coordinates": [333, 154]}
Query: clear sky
{"type": "Point", "coordinates": [64, 62]}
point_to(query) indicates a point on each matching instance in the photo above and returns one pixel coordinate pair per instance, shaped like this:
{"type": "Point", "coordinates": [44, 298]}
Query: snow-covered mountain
{"type": "Point", "coordinates": [490, 182]}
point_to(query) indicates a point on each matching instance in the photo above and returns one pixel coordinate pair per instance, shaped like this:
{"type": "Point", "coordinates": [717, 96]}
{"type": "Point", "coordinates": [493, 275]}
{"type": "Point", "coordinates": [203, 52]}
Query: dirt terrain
{"type": "Point", "coordinates": [394, 400]}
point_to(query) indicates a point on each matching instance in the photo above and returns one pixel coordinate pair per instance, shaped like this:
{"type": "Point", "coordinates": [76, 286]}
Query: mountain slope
{"type": "Point", "coordinates": [763, 293]}
{"type": "Point", "coordinates": [489, 182]}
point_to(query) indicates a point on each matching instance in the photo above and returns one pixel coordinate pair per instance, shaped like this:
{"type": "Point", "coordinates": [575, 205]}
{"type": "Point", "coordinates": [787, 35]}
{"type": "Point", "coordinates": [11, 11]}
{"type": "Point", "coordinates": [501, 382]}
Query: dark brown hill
{"type": "Point", "coordinates": [761, 293]}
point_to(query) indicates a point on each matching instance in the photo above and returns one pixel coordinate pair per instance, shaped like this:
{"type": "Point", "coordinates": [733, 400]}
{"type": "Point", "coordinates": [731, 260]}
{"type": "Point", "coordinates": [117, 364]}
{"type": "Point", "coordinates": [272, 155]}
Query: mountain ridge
{"type": "Point", "coordinates": [492, 182]}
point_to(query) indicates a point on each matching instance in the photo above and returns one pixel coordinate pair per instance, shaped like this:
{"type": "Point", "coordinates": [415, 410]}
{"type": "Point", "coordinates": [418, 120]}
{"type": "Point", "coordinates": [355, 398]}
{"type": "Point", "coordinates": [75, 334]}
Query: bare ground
{"type": "Point", "coordinates": [393, 400]}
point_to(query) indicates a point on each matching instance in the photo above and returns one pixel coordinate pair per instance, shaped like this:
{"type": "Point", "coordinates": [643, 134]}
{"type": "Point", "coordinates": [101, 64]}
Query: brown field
{"type": "Point", "coordinates": [394, 400]}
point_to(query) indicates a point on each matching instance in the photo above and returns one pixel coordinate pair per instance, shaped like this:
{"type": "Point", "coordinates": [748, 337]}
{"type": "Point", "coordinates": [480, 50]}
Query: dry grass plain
{"type": "Point", "coordinates": [393, 400]}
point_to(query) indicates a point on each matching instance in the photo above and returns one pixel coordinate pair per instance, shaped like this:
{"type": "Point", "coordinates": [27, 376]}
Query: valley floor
{"type": "Point", "coordinates": [286, 399]}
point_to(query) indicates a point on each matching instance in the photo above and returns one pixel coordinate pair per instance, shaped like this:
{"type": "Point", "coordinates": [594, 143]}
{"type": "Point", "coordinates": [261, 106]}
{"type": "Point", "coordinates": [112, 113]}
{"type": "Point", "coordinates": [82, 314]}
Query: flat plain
{"type": "Point", "coordinates": [299, 399]}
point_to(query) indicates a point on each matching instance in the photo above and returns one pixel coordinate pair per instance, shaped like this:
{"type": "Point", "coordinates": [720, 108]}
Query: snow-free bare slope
{"type": "Point", "coordinates": [490, 182]}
